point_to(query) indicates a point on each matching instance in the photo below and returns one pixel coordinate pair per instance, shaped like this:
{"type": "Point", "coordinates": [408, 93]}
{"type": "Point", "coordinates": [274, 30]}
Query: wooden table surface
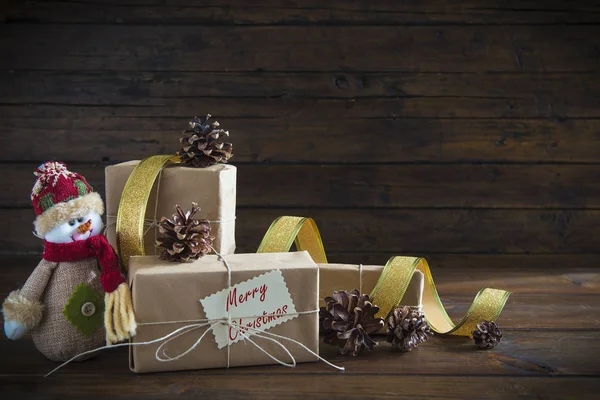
{"type": "Point", "coordinates": [551, 326]}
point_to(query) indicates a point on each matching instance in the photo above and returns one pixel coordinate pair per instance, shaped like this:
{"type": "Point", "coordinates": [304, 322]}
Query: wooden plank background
{"type": "Point", "coordinates": [467, 132]}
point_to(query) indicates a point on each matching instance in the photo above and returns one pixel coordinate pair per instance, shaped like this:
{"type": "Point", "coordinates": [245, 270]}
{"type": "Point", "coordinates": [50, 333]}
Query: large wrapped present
{"type": "Point", "coordinates": [242, 309]}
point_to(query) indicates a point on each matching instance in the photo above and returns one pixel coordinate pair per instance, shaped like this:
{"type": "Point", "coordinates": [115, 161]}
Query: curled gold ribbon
{"type": "Point", "coordinates": [394, 279]}
{"type": "Point", "coordinates": [286, 230]}
{"type": "Point", "coordinates": [132, 207]}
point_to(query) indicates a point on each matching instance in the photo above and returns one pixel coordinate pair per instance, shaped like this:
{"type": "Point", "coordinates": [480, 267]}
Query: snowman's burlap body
{"type": "Point", "coordinates": [52, 284]}
{"type": "Point", "coordinates": [76, 300]}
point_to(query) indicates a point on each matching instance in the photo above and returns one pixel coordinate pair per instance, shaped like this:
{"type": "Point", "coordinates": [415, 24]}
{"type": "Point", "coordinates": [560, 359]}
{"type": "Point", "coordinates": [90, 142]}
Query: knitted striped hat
{"type": "Point", "coordinates": [60, 195]}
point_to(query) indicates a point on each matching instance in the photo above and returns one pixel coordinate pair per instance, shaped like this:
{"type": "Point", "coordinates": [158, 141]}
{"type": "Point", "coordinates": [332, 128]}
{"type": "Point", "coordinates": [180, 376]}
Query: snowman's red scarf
{"type": "Point", "coordinates": [95, 246]}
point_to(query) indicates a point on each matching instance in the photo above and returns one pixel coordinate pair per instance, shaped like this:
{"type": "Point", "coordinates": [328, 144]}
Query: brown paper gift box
{"type": "Point", "coordinates": [164, 291]}
{"type": "Point", "coordinates": [347, 277]}
{"type": "Point", "coordinates": [213, 188]}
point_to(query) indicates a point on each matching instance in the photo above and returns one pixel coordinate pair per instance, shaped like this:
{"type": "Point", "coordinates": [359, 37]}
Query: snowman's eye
{"type": "Point", "coordinates": [80, 219]}
{"type": "Point", "coordinates": [72, 222]}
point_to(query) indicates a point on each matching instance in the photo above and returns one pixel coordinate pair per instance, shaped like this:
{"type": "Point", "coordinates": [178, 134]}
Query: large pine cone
{"type": "Point", "coordinates": [202, 145]}
{"type": "Point", "coordinates": [407, 328]}
{"type": "Point", "coordinates": [487, 335]}
{"type": "Point", "coordinates": [348, 319]}
{"type": "Point", "coordinates": [184, 238]}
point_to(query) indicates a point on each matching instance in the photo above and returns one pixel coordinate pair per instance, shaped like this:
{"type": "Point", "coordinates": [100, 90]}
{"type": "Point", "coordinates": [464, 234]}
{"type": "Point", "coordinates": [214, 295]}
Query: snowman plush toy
{"type": "Point", "coordinates": [76, 299]}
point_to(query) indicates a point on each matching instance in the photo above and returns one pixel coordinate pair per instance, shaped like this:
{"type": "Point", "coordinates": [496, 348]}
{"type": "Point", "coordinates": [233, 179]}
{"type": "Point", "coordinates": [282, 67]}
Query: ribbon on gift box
{"type": "Point", "coordinates": [394, 279]}
{"type": "Point", "coordinates": [131, 224]}
{"type": "Point", "coordinates": [132, 208]}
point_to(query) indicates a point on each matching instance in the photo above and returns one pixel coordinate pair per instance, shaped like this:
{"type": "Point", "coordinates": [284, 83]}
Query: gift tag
{"type": "Point", "coordinates": [257, 303]}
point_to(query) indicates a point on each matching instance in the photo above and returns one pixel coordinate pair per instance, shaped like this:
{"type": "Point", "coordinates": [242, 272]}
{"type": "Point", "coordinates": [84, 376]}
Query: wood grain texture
{"type": "Point", "coordinates": [401, 231]}
{"type": "Point", "coordinates": [314, 386]}
{"type": "Point", "coordinates": [409, 231]}
{"type": "Point", "coordinates": [492, 268]}
{"type": "Point", "coordinates": [521, 354]}
{"type": "Point", "coordinates": [477, 94]}
{"type": "Point", "coordinates": [265, 386]}
{"type": "Point", "coordinates": [379, 186]}
{"type": "Point", "coordinates": [306, 48]}
{"type": "Point", "coordinates": [306, 12]}
{"type": "Point", "coordinates": [126, 133]}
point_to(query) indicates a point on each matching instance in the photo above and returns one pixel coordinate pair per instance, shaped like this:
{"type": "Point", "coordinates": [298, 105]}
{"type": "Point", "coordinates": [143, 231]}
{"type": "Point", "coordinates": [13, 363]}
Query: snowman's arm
{"type": "Point", "coordinates": [24, 305]}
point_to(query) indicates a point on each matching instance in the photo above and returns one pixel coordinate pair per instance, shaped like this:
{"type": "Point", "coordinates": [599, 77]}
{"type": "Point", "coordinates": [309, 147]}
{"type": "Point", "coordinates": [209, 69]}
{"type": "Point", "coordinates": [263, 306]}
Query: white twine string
{"type": "Point", "coordinates": [193, 325]}
{"type": "Point", "coordinates": [228, 310]}
{"type": "Point", "coordinates": [154, 223]}
{"type": "Point", "coordinates": [161, 355]}
{"type": "Point", "coordinates": [360, 279]}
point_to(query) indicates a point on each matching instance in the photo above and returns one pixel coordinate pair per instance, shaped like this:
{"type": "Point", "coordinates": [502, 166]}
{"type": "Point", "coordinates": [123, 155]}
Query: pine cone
{"type": "Point", "coordinates": [487, 335]}
{"type": "Point", "coordinates": [348, 319]}
{"type": "Point", "coordinates": [202, 145]}
{"type": "Point", "coordinates": [407, 328]}
{"type": "Point", "coordinates": [183, 237]}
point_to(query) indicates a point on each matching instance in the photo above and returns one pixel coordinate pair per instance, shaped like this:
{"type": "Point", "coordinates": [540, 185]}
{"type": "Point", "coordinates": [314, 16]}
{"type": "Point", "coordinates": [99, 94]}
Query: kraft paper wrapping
{"type": "Point", "coordinates": [347, 277]}
{"type": "Point", "coordinates": [164, 291]}
{"type": "Point", "coordinates": [213, 188]}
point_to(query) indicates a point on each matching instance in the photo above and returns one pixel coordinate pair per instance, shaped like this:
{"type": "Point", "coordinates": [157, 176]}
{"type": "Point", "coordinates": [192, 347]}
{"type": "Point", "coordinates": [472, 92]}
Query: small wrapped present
{"type": "Point", "coordinates": [213, 188]}
{"type": "Point", "coordinates": [138, 193]}
{"type": "Point", "coordinates": [335, 277]}
{"type": "Point", "coordinates": [239, 310]}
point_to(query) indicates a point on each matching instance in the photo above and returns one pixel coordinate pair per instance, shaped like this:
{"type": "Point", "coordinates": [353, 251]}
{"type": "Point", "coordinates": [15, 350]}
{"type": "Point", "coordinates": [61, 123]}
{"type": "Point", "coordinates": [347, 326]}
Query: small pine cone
{"type": "Point", "coordinates": [183, 237]}
{"type": "Point", "coordinates": [202, 145]}
{"type": "Point", "coordinates": [407, 328]}
{"type": "Point", "coordinates": [348, 319]}
{"type": "Point", "coordinates": [487, 335]}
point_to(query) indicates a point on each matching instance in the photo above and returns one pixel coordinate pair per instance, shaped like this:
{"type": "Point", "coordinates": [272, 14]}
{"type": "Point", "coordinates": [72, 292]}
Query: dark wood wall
{"type": "Point", "coordinates": [467, 132]}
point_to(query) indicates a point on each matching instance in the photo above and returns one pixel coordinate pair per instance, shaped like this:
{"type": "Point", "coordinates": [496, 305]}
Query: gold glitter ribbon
{"type": "Point", "coordinates": [286, 230]}
{"type": "Point", "coordinates": [132, 208]}
{"type": "Point", "coordinates": [394, 279]}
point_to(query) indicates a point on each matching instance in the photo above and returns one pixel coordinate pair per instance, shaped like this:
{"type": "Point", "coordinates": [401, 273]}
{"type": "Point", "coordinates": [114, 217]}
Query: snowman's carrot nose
{"type": "Point", "coordinates": [83, 228]}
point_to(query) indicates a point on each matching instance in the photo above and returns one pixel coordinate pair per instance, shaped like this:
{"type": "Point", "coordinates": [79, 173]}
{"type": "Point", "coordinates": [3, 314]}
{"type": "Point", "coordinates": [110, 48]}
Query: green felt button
{"type": "Point", "coordinates": [85, 310]}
